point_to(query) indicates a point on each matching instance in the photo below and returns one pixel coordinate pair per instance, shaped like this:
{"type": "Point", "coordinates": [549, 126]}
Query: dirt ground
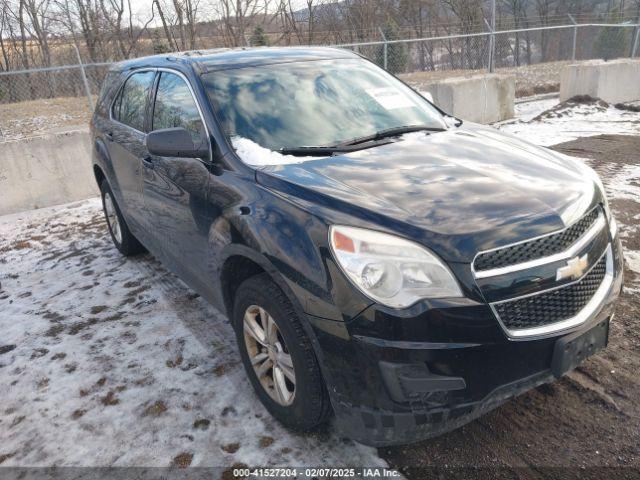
{"type": "Point", "coordinates": [589, 418]}
{"type": "Point", "coordinates": [28, 119]}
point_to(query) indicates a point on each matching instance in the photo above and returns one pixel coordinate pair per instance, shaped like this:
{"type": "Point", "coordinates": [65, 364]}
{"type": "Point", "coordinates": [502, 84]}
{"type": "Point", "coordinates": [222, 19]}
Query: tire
{"type": "Point", "coordinates": [310, 405]}
{"type": "Point", "coordinates": [121, 236]}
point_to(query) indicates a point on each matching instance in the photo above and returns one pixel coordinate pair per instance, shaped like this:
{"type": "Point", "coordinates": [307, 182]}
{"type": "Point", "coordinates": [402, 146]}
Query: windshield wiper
{"type": "Point", "coordinates": [326, 151]}
{"type": "Point", "coordinates": [389, 132]}
{"type": "Point", "coordinates": [310, 151]}
{"type": "Point", "coordinates": [379, 138]}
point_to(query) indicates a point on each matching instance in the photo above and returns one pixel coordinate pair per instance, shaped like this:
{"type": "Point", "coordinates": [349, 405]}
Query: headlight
{"type": "Point", "coordinates": [390, 270]}
{"type": "Point", "coordinates": [613, 226]}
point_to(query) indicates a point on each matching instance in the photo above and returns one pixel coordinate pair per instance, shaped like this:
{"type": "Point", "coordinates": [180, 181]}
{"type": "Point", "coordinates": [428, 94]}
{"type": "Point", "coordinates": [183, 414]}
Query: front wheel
{"type": "Point", "coordinates": [122, 237]}
{"type": "Point", "coordinates": [278, 356]}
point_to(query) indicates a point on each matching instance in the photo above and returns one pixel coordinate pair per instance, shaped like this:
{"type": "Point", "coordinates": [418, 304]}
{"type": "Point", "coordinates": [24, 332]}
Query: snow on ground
{"type": "Point", "coordinates": [112, 361]}
{"type": "Point", "coordinates": [569, 122]}
{"type": "Point", "coordinates": [633, 259]}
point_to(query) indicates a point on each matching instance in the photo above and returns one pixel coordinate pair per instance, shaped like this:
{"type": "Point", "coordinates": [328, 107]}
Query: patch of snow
{"type": "Point", "coordinates": [622, 181]}
{"type": "Point", "coordinates": [258, 156]}
{"type": "Point", "coordinates": [582, 120]}
{"type": "Point", "coordinates": [109, 361]}
{"type": "Point", "coordinates": [633, 259]}
{"type": "Point", "coordinates": [527, 111]}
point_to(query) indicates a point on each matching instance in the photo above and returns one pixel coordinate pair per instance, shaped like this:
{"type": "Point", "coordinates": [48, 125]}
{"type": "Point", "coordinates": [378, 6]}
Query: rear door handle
{"type": "Point", "coordinates": [109, 135]}
{"type": "Point", "coordinates": [148, 162]}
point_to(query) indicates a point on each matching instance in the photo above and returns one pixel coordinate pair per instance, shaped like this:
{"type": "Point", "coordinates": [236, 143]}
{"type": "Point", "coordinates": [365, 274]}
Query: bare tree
{"type": "Point", "coordinates": [299, 23]}
{"type": "Point", "coordinates": [4, 19]}
{"type": "Point", "coordinates": [38, 18]}
{"type": "Point", "coordinates": [179, 22]}
{"type": "Point", "coordinates": [471, 18]}
{"type": "Point", "coordinates": [119, 19]}
{"type": "Point", "coordinates": [237, 16]}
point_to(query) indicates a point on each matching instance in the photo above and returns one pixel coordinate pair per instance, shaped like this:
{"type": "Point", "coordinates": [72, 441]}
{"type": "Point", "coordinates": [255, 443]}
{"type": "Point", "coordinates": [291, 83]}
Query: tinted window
{"type": "Point", "coordinates": [175, 107]}
{"type": "Point", "coordinates": [315, 103]}
{"type": "Point", "coordinates": [130, 105]}
{"type": "Point", "coordinates": [109, 84]}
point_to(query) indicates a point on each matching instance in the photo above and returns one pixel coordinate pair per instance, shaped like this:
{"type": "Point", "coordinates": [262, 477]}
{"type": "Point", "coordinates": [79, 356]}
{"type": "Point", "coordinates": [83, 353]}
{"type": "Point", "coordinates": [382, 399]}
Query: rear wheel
{"type": "Point", "coordinates": [122, 237]}
{"type": "Point", "coordinates": [278, 356]}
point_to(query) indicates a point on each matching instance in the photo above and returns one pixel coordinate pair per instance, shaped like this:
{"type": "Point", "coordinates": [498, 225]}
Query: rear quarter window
{"type": "Point", "coordinates": [107, 91]}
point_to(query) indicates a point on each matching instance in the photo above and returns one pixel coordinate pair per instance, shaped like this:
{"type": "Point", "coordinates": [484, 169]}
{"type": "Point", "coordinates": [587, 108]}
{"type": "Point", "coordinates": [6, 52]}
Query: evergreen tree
{"type": "Point", "coordinates": [157, 44]}
{"type": "Point", "coordinates": [612, 41]}
{"type": "Point", "coordinates": [396, 52]}
{"type": "Point", "coordinates": [259, 38]}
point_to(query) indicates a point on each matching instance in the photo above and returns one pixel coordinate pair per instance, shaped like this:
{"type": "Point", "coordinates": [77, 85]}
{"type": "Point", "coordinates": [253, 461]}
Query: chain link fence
{"type": "Point", "coordinates": [503, 49]}
{"type": "Point", "coordinates": [67, 94]}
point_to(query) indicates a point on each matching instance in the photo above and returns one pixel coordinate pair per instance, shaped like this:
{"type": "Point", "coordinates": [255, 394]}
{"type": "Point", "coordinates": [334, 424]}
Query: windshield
{"type": "Point", "coordinates": [316, 103]}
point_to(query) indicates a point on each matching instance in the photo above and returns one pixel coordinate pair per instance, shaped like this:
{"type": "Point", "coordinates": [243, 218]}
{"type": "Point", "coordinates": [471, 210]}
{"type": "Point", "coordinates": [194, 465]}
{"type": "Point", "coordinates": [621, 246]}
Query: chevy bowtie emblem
{"type": "Point", "coordinates": [575, 268]}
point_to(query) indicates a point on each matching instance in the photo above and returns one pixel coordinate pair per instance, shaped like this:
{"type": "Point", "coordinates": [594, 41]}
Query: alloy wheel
{"type": "Point", "coordinates": [269, 355]}
{"type": "Point", "coordinates": [112, 217]}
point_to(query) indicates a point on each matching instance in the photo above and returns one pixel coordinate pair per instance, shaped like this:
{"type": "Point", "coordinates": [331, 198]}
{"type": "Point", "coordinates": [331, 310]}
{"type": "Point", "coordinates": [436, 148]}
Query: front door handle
{"type": "Point", "coordinates": [148, 162]}
{"type": "Point", "coordinates": [109, 135]}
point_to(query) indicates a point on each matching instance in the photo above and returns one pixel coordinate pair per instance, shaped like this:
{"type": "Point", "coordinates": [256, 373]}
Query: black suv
{"type": "Point", "coordinates": [378, 258]}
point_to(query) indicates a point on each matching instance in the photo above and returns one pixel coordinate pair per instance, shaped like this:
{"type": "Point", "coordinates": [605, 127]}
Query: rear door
{"type": "Point", "coordinates": [176, 190]}
{"type": "Point", "coordinates": [125, 142]}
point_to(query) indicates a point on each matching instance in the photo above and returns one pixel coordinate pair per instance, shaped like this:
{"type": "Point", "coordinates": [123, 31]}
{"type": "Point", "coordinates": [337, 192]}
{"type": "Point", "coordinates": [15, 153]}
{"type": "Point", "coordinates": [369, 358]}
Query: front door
{"type": "Point", "coordinates": [176, 189]}
{"type": "Point", "coordinates": [125, 140]}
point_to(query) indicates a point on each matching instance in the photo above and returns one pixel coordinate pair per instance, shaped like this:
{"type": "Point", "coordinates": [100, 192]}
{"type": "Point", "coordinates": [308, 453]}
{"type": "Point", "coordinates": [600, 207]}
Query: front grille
{"type": "Point", "coordinates": [551, 307]}
{"type": "Point", "coordinates": [538, 248]}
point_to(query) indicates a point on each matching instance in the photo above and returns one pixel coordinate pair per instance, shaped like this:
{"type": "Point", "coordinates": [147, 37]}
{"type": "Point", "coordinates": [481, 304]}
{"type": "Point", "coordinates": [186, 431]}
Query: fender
{"type": "Point", "coordinates": [237, 249]}
{"type": "Point", "coordinates": [102, 159]}
{"type": "Point", "coordinates": [246, 252]}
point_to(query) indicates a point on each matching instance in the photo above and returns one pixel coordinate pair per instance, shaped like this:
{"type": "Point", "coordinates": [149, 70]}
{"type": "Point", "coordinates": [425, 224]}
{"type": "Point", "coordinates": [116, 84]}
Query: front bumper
{"type": "Point", "coordinates": [396, 378]}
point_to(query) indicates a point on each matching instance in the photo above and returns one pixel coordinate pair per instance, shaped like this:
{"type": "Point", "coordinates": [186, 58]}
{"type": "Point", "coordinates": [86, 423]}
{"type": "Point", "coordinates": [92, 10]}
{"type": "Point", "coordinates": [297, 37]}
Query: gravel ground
{"type": "Point", "coordinates": [109, 361]}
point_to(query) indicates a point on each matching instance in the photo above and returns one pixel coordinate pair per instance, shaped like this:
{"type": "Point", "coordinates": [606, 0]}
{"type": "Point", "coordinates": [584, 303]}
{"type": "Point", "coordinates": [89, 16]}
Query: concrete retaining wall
{"type": "Point", "coordinates": [43, 171]}
{"type": "Point", "coordinates": [614, 81]}
{"type": "Point", "coordinates": [481, 98]}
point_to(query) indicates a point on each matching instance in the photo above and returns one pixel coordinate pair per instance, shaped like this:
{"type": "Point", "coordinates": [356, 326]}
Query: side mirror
{"type": "Point", "coordinates": [175, 142]}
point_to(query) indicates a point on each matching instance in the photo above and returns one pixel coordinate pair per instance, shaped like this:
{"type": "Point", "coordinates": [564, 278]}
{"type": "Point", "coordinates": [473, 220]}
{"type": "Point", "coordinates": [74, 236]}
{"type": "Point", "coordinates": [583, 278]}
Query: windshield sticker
{"type": "Point", "coordinates": [390, 98]}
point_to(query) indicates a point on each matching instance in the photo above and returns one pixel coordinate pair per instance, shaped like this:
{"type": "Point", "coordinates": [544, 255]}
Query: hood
{"type": "Point", "coordinates": [459, 192]}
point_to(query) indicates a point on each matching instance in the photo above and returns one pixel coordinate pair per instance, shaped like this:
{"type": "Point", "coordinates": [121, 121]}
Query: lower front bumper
{"type": "Point", "coordinates": [460, 365]}
{"type": "Point", "coordinates": [378, 428]}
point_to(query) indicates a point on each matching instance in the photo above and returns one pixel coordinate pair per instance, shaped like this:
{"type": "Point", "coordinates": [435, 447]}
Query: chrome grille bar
{"type": "Point", "coordinates": [588, 236]}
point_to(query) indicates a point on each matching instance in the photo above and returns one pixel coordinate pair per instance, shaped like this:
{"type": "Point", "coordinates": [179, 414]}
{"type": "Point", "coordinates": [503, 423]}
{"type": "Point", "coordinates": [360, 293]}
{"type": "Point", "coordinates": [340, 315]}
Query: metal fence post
{"type": "Point", "coordinates": [84, 78]}
{"type": "Point", "coordinates": [575, 36]}
{"type": "Point", "coordinates": [634, 49]}
{"type": "Point", "coordinates": [492, 47]}
{"type": "Point", "coordinates": [492, 38]}
{"type": "Point", "coordinates": [384, 48]}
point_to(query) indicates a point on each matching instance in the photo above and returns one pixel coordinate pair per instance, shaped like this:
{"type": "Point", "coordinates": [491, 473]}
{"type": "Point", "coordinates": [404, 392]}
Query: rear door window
{"type": "Point", "coordinates": [129, 108]}
{"type": "Point", "coordinates": [176, 107]}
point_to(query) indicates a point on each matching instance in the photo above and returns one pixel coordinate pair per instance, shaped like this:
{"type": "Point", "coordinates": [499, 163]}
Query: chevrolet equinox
{"type": "Point", "coordinates": [379, 259]}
